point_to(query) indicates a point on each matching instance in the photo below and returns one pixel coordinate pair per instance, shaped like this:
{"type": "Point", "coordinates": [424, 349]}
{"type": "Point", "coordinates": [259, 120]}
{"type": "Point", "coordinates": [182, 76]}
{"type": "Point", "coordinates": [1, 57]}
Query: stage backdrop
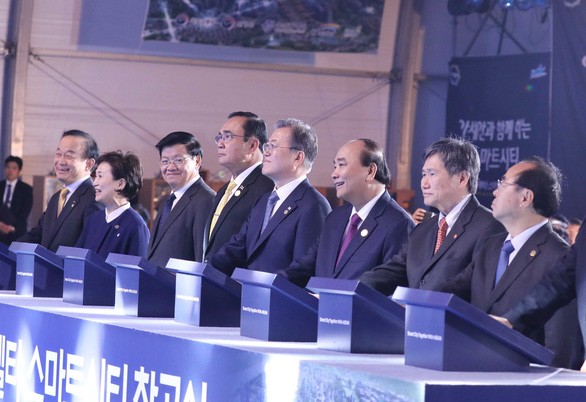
{"type": "Point", "coordinates": [568, 146]}
{"type": "Point", "coordinates": [501, 104]}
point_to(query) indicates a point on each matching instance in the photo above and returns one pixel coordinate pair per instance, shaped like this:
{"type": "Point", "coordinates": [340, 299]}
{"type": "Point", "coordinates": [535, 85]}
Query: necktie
{"type": "Point", "coordinates": [354, 223]}
{"type": "Point", "coordinates": [506, 251]}
{"type": "Point", "coordinates": [7, 195]}
{"type": "Point", "coordinates": [167, 209]}
{"type": "Point", "coordinates": [441, 234]}
{"type": "Point", "coordinates": [62, 198]}
{"type": "Point", "coordinates": [221, 205]}
{"type": "Point", "coordinates": [269, 211]}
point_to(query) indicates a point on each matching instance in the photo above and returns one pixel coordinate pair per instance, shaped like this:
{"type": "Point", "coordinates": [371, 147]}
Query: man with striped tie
{"type": "Point", "coordinates": [283, 224]}
{"type": "Point", "coordinates": [439, 248]}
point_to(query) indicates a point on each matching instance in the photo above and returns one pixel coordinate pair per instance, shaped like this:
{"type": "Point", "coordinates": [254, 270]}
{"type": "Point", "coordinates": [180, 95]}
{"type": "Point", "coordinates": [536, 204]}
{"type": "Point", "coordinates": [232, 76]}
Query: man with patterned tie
{"type": "Point", "coordinates": [440, 248]}
{"type": "Point", "coordinates": [283, 224]}
{"type": "Point", "coordinates": [509, 264]}
{"type": "Point", "coordinates": [179, 227]}
{"type": "Point", "coordinates": [74, 161]}
{"type": "Point", "coordinates": [366, 231]}
{"type": "Point", "coordinates": [239, 144]}
{"type": "Point", "coordinates": [17, 201]}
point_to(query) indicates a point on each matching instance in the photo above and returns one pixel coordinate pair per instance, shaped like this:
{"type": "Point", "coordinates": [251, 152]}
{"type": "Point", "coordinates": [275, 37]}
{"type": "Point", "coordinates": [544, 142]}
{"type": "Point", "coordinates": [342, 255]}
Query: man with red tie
{"type": "Point", "coordinates": [439, 248]}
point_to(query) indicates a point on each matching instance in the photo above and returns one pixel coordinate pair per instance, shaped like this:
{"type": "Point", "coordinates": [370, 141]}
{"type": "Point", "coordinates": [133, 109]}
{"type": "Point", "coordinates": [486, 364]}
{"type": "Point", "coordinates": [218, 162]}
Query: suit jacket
{"type": "Point", "coordinates": [416, 265]}
{"type": "Point", "coordinates": [52, 231]}
{"type": "Point", "coordinates": [293, 228]}
{"type": "Point", "coordinates": [565, 282]}
{"type": "Point", "coordinates": [531, 264]}
{"type": "Point", "coordinates": [379, 238]}
{"type": "Point", "coordinates": [235, 211]}
{"type": "Point", "coordinates": [127, 234]}
{"type": "Point", "coordinates": [181, 236]}
{"type": "Point", "coordinates": [20, 208]}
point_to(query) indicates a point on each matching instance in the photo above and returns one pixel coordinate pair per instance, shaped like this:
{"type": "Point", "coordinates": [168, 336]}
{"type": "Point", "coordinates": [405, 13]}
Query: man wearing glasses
{"type": "Point", "coordinates": [283, 224]}
{"type": "Point", "coordinates": [239, 144]}
{"type": "Point", "coordinates": [179, 227]}
{"type": "Point", "coordinates": [510, 264]}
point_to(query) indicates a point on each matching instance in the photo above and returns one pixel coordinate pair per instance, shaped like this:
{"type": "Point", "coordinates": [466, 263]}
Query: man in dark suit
{"type": "Point", "coordinates": [439, 248]}
{"type": "Point", "coordinates": [239, 143]}
{"type": "Point", "coordinates": [368, 230]}
{"type": "Point", "coordinates": [63, 220]}
{"type": "Point", "coordinates": [179, 227]}
{"type": "Point", "coordinates": [17, 201]}
{"type": "Point", "coordinates": [283, 224]}
{"type": "Point", "coordinates": [527, 195]}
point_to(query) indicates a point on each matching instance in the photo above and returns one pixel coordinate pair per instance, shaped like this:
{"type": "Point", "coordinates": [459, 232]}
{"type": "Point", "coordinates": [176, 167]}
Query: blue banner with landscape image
{"type": "Point", "coordinates": [305, 25]}
{"type": "Point", "coordinates": [501, 104]}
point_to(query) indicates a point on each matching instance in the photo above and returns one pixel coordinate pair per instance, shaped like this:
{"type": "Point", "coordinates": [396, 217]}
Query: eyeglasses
{"type": "Point", "coordinates": [500, 183]}
{"type": "Point", "coordinates": [269, 147]}
{"type": "Point", "coordinates": [177, 161]}
{"type": "Point", "coordinates": [226, 137]}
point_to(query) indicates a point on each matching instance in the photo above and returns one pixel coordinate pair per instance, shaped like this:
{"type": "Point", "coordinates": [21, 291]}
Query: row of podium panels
{"type": "Point", "coordinates": [433, 330]}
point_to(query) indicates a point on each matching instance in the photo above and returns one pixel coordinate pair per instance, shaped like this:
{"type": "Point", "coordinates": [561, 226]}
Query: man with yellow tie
{"type": "Point", "coordinates": [63, 220]}
{"type": "Point", "coordinates": [239, 144]}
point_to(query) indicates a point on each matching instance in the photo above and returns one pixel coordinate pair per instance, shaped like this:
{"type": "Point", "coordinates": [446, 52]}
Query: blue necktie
{"type": "Point", "coordinates": [269, 211]}
{"type": "Point", "coordinates": [503, 260]}
{"type": "Point", "coordinates": [167, 209]}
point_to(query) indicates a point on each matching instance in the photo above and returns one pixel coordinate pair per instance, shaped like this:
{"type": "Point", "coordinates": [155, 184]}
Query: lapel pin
{"type": "Point", "coordinates": [533, 253]}
{"type": "Point", "coordinates": [287, 210]}
{"type": "Point", "coordinates": [364, 232]}
{"type": "Point", "coordinates": [237, 193]}
{"type": "Point", "coordinates": [117, 227]}
{"type": "Point", "coordinates": [455, 235]}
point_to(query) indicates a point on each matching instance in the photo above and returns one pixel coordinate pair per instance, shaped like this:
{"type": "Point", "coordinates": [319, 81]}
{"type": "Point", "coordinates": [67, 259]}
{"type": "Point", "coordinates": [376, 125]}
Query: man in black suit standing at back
{"type": "Point", "coordinates": [179, 227]}
{"type": "Point", "coordinates": [63, 220]}
{"type": "Point", "coordinates": [239, 143]}
{"type": "Point", "coordinates": [17, 201]}
{"type": "Point", "coordinates": [439, 248]}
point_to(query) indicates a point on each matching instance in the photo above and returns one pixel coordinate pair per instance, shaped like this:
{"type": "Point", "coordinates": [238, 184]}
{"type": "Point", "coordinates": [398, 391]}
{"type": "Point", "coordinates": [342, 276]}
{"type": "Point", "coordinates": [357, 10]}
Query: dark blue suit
{"type": "Point", "coordinates": [532, 262]}
{"type": "Point", "coordinates": [127, 234]}
{"type": "Point", "coordinates": [290, 232]}
{"type": "Point", "coordinates": [565, 282]}
{"type": "Point", "coordinates": [379, 238]}
{"type": "Point", "coordinates": [236, 210]}
{"type": "Point", "coordinates": [52, 231]}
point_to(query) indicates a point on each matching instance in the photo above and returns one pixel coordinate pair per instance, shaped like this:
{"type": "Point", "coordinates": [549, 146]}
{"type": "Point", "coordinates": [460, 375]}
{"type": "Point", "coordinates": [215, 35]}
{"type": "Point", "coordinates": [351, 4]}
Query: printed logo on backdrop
{"type": "Point", "coordinates": [325, 26]}
{"type": "Point", "coordinates": [501, 105]}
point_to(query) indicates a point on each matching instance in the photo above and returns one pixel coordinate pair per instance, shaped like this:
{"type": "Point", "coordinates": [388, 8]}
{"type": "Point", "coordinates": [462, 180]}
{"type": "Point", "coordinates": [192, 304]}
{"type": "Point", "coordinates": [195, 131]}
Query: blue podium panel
{"type": "Point", "coordinates": [7, 268]}
{"type": "Point", "coordinates": [357, 319]}
{"type": "Point", "coordinates": [204, 296]}
{"type": "Point", "coordinates": [39, 272]}
{"type": "Point", "coordinates": [443, 332]}
{"type": "Point", "coordinates": [273, 309]}
{"type": "Point", "coordinates": [87, 278]}
{"type": "Point", "coordinates": [143, 289]}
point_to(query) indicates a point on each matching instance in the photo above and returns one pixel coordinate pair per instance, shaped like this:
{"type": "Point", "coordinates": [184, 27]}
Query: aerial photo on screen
{"type": "Point", "coordinates": [351, 26]}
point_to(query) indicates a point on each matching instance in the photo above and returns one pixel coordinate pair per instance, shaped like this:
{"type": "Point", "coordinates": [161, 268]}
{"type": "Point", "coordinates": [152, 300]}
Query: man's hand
{"type": "Point", "coordinates": [502, 320]}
